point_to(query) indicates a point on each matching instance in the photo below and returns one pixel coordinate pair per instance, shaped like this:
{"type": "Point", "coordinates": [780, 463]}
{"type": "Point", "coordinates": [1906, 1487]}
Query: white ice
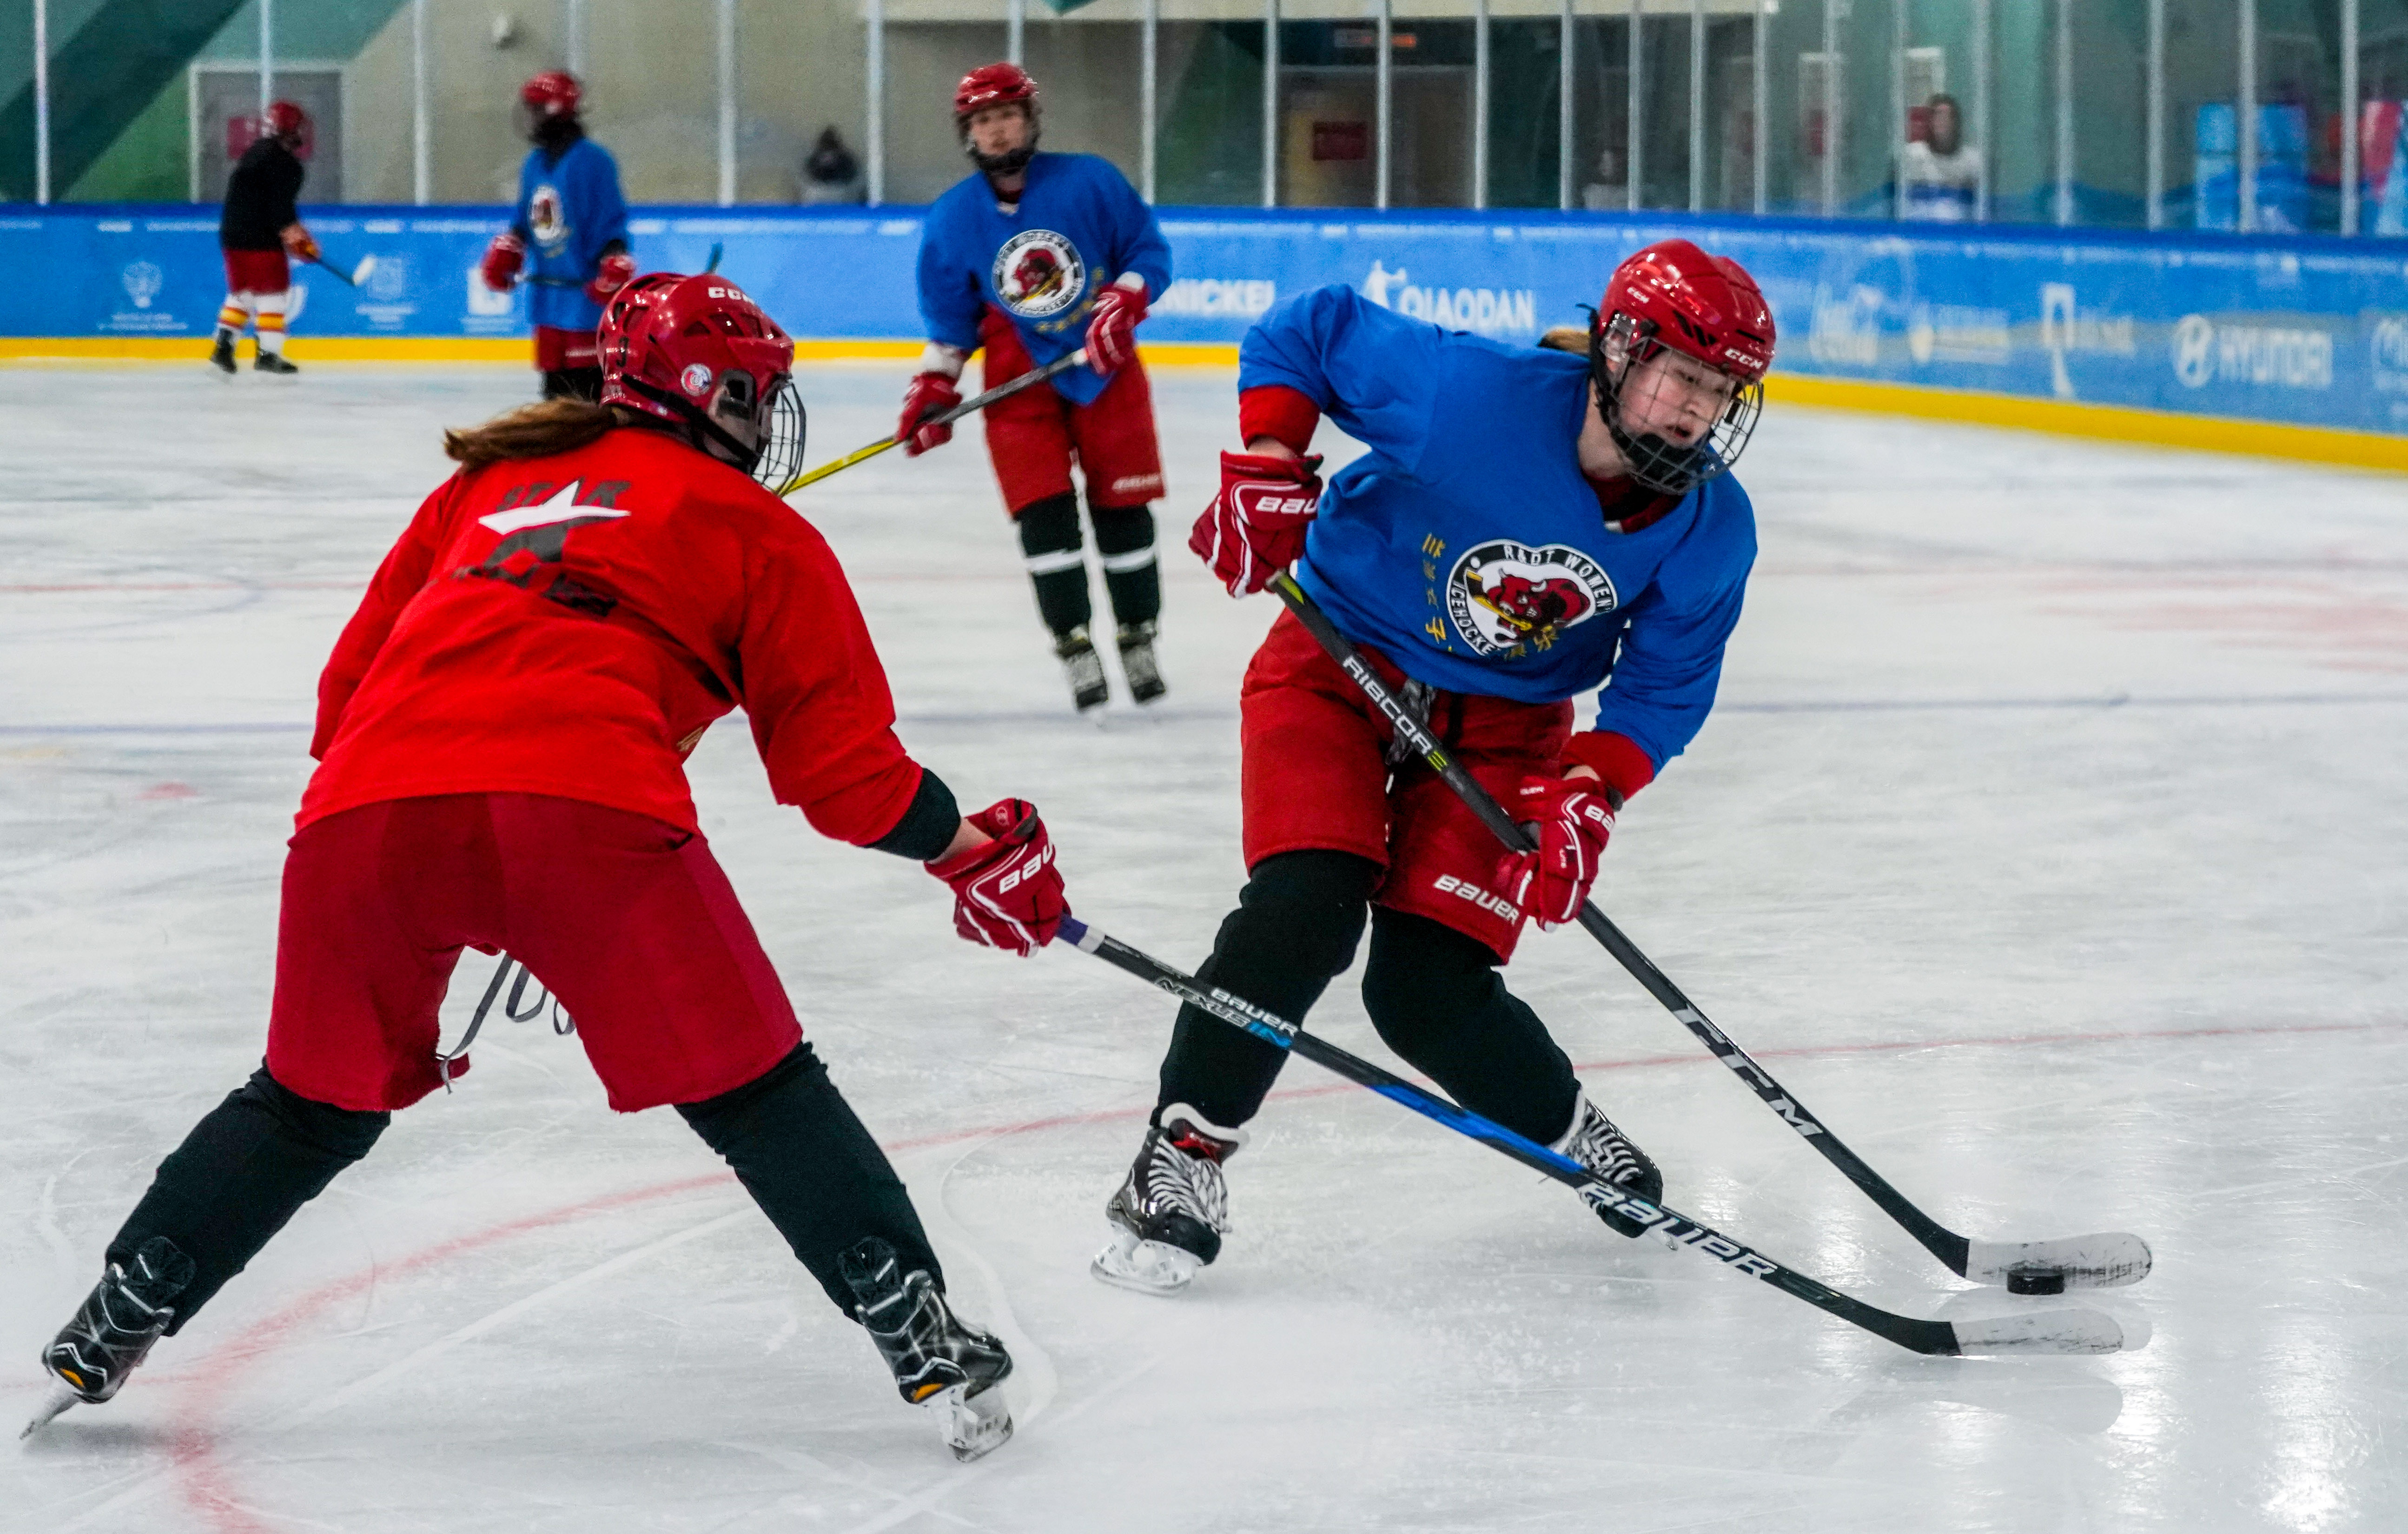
{"type": "Point", "coordinates": [2048, 840]}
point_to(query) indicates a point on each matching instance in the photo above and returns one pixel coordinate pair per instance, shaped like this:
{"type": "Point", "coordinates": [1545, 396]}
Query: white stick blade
{"type": "Point", "coordinates": [59, 1400]}
{"type": "Point", "coordinates": [365, 269]}
{"type": "Point", "coordinates": [2104, 1261]}
{"type": "Point", "coordinates": [2045, 1331]}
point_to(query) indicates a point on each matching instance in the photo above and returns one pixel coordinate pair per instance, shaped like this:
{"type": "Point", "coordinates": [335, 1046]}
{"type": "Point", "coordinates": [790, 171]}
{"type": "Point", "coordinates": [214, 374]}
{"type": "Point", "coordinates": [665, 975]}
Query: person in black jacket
{"type": "Point", "coordinates": [260, 229]}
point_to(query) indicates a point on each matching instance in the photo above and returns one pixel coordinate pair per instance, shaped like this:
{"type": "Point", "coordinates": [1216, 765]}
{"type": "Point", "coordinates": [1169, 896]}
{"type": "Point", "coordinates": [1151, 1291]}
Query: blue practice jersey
{"type": "Point", "coordinates": [569, 209]}
{"type": "Point", "coordinates": [1080, 226]}
{"type": "Point", "coordinates": [1467, 545]}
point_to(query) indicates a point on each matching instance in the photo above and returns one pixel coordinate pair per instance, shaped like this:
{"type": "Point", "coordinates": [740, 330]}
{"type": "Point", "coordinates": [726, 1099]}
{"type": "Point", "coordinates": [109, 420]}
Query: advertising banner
{"type": "Point", "coordinates": [2302, 330]}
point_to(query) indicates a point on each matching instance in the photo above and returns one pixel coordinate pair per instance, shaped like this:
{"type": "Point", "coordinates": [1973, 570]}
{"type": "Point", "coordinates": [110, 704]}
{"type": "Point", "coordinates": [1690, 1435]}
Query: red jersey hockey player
{"type": "Point", "coordinates": [1031, 258]}
{"type": "Point", "coordinates": [501, 734]}
{"type": "Point", "coordinates": [259, 230]}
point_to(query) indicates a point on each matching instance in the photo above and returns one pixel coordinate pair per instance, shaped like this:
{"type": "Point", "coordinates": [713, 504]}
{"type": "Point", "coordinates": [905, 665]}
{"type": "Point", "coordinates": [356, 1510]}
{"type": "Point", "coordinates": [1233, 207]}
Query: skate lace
{"type": "Point", "coordinates": [1176, 1182]}
{"type": "Point", "coordinates": [1601, 1148]}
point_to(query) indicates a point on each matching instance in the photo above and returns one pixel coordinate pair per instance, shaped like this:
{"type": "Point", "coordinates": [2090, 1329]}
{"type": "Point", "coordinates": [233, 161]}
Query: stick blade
{"type": "Point", "coordinates": [58, 1400]}
{"type": "Point", "coordinates": [365, 269]}
{"type": "Point", "coordinates": [2075, 1331]}
{"type": "Point", "coordinates": [2107, 1260]}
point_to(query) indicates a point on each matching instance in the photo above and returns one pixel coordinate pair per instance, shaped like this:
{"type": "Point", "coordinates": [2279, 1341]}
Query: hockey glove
{"type": "Point", "coordinates": [1571, 824]}
{"type": "Point", "coordinates": [503, 258]}
{"type": "Point", "coordinates": [1254, 528]}
{"type": "Point", "coordinates": [931, 393]}
{"type": "Point", "coordinates": [616, 271]}
{"type": "Point", "coordinates": [1007, 894]}
{"type": "Point", "coordinates": [297, 243]}
{"type": "Point", "coordinates": [1111, 333]}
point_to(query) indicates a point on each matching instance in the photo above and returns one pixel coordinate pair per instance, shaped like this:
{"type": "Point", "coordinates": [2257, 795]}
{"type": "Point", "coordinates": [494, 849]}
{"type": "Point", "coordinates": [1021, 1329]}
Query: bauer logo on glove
{"type": "Point", "coordinates": [1571, 826]}
{"type": "Point", "coordinates": [1007, 893]}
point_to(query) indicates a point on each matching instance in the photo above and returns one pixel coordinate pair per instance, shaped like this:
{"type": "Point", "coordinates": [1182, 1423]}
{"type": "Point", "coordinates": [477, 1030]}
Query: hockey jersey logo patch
{"type": "Point", "coordinates": [1038, 274]}
{"type": "Point", "coordinates": [1504, 595]}
{"type": "Point", "coordinates": [547, 217]}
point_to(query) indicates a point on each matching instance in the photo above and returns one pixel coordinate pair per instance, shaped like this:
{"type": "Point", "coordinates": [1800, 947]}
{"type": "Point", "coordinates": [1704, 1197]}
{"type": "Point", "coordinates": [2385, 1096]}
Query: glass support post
{"type": "Point", "coordinates": [1830, 109]}
{"type": "Point", "coordinates": [1759, 108]}
{"type": "Point", "coordinates": [1898, 118]}
{"type": "Point", "coordinates": [573, 24]}
{"type": "Point", "coordinates": [1981, 111]}
{"type": "Point", "coordinates": [1383, 75]}
{"type": "Point", "coordinates": [1480, 104]}
{"type": "Point", "coordinates": [2156, 114]}
{"type": "Point", "coordinates": [1271, 102]}
{"type": "Point", "coordinates": [267, 59]}
{"type": "Point", "coordinates": [1696, 106]}
{"type": "Point", "coordinates": [42, 102]}
{"type": "Point", "coordinates": [2247, 222]}
{"type": "Point", "coordinates": [2064, 113]}
{"type": "Point", "coordinates": [421, 123]}
{"type": "Point", "coordinates": [726, 103]}
{"type": "Point", "coordinates": [1149, 43]}
{"type": "Point", "coordinates": [2349, 86]}
{"type": "Point", "coordinates": [875, 74]}
{"type": "Point", "coordinates": [1016, 31]}
{"type": "Point", "coordinates": [1634, 160]}
{"type": "Point", "coordinates": [1564, 41]}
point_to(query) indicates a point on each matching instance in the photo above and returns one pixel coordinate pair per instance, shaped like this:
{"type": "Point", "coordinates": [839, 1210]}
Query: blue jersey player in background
{"type": "Point", "coordinates": [572, 217]}
{"type": "Point", "coordinates": [1033, 257]}
{"type": "Point", "coordinates": [1528, 526]}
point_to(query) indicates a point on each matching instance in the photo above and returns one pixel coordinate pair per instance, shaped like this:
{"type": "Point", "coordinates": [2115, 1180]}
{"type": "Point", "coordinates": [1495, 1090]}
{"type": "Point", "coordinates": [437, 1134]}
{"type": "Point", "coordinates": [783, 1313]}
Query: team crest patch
{"type": "Point", "coordinates": [1038, 274]}
{"type": "Point", "coordinates": [545, 219]}
{"type": "Point", "coordinates": [1502, 594]}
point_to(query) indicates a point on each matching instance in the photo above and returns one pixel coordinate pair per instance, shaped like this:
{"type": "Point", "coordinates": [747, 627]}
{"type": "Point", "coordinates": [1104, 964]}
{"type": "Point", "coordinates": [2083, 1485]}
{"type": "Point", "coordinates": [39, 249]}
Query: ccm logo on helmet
{"type": "Point", "coordinates": [1449, 884]}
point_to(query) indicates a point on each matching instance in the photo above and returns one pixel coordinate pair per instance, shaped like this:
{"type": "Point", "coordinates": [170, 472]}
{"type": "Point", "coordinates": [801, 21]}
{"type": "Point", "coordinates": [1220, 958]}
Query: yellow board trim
{"type": "Point", "coordinates": [2064, 418]}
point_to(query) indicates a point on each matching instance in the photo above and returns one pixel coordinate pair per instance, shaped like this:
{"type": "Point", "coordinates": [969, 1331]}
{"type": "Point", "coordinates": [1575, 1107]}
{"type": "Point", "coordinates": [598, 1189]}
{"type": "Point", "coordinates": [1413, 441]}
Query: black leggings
{"type": "Point", "coordinates": [1434, 995]}
{"type": "Point", "coordinates": [252, 1161]}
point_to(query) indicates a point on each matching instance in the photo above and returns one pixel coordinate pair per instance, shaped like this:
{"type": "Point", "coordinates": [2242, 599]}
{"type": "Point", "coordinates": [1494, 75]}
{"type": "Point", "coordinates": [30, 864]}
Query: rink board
{"type": "Point", "coordinates": [2302, 332]}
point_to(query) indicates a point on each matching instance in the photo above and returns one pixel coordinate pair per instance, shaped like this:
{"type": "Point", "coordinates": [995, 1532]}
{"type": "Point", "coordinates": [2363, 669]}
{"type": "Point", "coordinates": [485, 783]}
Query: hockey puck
{"type": "Point", "coordinates": [2045, 1282]}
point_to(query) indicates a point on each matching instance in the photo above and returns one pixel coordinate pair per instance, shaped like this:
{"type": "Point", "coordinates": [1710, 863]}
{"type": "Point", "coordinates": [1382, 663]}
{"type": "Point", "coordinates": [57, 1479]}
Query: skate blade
{"type": "Point", "coordinates": [60, 1398]}
{"type": "Point", "coordinates": [1148, 1267]}
{"type": "Point", "coordinates": [975, 1425]}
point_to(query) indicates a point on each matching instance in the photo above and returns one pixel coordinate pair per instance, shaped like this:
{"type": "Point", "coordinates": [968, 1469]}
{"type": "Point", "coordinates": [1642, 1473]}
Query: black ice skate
{"type": "Point", "coordinates": [124, 1313]}
{"type": "Point", "coordinates": [1606, 1150]}
{"type": "Point", "coordinates": [1170, 1214]}
{"type": "Point", "coordinates": [940, 1361]}
{"type": "Point", "coordinates": [1136, 661]}
{"type": "Point", "coordinates": [273, 362]}
{"type": "Point", "coordinates": [222, 354]}
{"type": "Point", "coordinates": [1077, 652]}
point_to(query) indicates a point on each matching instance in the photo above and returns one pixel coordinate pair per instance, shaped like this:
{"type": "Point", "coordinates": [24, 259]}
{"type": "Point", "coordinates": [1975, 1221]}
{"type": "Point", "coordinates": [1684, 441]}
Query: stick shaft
{"type": "Point", "coordinates": [1935, 1337]}
{"type": "Point", "coordinates": [976, 402]}
{"type": "Point", "coordinates": [1942, 1242]}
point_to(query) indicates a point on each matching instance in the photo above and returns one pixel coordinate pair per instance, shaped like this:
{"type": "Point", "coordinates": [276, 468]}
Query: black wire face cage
{"type": "Point", "coordinates": [1657, 462]}
{"type": "Point", "coordinates": [1011, 160]}
{"type": "Point", "coordinates": [782, 443]}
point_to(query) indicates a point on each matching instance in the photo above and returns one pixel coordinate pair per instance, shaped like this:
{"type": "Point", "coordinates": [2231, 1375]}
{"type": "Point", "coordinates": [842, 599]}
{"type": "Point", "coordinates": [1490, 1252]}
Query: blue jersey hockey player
{"type": "Point", "coordinates": [1031, 258]}
{"type": "Point", "coordinates": [1526, 526]}
{"type": "Point", "coordinates": [573, 217]}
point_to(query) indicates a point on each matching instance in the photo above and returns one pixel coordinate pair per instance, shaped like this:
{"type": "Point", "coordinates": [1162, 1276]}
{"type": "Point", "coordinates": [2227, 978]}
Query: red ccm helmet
{"type": "Point", "coordinates": [551, 97]}
{"type": "Point", "coordinates": [285, 119]}
{"type": "Point", "coordinates": [1675, 296]}
{"type": "Point", "coordinates": [698, 354]}
{"type": "Point", "coordinates": [996, 85]}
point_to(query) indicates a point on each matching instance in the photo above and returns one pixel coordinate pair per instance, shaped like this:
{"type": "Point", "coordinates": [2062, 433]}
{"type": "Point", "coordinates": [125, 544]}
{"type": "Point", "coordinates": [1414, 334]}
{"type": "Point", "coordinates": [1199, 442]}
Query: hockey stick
{"type": "Point", "coordinates": [352, 279]}
{"type": "Point", "coordinates": [2097, 1261]}
{"type": "Point", "coordinates": [2075, 1330]}
{"type": "Point", "coordinates": [976, 402]}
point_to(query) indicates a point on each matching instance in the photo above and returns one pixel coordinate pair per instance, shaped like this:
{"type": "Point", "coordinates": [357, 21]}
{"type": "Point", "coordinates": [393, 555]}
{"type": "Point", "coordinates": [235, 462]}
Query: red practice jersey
{"type": "Point", "coordinates": [570, 625]}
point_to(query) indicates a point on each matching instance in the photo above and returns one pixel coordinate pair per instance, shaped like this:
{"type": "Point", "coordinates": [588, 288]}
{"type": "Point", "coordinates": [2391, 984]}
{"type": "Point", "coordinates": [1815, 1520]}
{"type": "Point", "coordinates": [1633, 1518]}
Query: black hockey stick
{"type": "Point", "coordinates": [2026, 1267]}
{"type": "Point", "coordinates": [2075, 1330]}
{"type": "Point", "coordinates": [352, 279]}
{"type": "Point", "coordinates": [976, 402]}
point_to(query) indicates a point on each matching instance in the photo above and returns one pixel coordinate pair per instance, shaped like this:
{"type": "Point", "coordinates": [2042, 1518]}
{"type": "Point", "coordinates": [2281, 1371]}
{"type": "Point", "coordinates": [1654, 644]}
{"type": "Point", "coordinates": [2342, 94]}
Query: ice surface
{"type": "Point", "coordinates": [2048, 842]}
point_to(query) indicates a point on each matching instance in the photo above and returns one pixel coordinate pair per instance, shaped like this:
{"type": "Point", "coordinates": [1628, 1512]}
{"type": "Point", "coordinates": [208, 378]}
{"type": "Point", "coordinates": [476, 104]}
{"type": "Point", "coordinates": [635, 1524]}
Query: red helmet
{"type": "Point", "coordinates": [992, 85]}
{"type": "Point", "coordinates": [553, 94]}
{"type": "Point", "coordinates": [1706, 305]}
{"type": "Point", "coordinates": [1673, 296]}
{"type": "Point", "coordinates": [286, 118]}
{"type": "Point", "coordinates": [668, 342]}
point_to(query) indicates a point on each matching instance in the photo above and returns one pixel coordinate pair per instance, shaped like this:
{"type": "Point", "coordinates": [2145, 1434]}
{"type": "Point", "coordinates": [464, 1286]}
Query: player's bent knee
{"type": "Point", "coordinates": [1424, 980]}
{"type": "Point", "coordinates": [1122, 529]}
{"type": "Point", "coordinates": [1050, 526]}
{"type": "Point", "coordinates": [1311, 902]}
{"type": "Point", "coordinates": [345, 1133]}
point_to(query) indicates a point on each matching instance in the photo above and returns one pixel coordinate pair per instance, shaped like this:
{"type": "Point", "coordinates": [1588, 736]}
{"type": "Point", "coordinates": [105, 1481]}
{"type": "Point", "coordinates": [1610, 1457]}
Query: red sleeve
{"type": "Point", "coordinates": [397, 579]}
{"type": "Point", "coordinates": [1615, 759]}
{"type": "Point", "coordinates": [1276, 411]}
{"type": "Point", "coordinates": [816, 693]}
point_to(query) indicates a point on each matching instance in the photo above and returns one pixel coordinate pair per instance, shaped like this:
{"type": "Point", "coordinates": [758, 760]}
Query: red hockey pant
{"type": "Point", "coordinates": [1033, 435]}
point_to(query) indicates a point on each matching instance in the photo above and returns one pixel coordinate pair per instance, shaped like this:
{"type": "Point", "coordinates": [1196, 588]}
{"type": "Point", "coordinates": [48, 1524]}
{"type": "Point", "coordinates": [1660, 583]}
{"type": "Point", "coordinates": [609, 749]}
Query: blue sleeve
{"type": "Point", "coordinates": [604, 214]}
{"type": "Point", "coordinates": [950, 301]}
{"type": "Point", "coordinates": [1138, 244]}
{"type": "Point", "coordinates": [1671, 659]}
{"type": "Point", "coordinates": [519, 225]}
{"type": "Point", "coordinates": [1373, 371]}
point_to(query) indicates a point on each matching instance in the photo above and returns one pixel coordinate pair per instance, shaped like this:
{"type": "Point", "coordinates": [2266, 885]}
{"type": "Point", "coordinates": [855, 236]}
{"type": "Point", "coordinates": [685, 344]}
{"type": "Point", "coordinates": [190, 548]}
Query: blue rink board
{"type": "Point", "coordinates": [2311, 331]}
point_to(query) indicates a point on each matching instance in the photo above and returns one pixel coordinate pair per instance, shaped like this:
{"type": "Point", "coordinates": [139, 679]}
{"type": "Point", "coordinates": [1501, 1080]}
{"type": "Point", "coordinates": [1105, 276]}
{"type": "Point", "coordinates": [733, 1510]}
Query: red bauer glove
{"type": "Point", "coordinates": [1571, 824]}
{"type": "Point", "coordinates": [1111, 329]}
{"type": "Point", "coordinates": [1007, 894]}
{"type": "Point", "coordinates": [1254, 528]}
{"type": "Point", "coordinates": [503, 258]}
{"type": "Point", "coordinates": [931, 393]}
{"type": "Point", "coordinates": [297, 243]}
{"type": "Point", "coordinates": [617, 270]}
